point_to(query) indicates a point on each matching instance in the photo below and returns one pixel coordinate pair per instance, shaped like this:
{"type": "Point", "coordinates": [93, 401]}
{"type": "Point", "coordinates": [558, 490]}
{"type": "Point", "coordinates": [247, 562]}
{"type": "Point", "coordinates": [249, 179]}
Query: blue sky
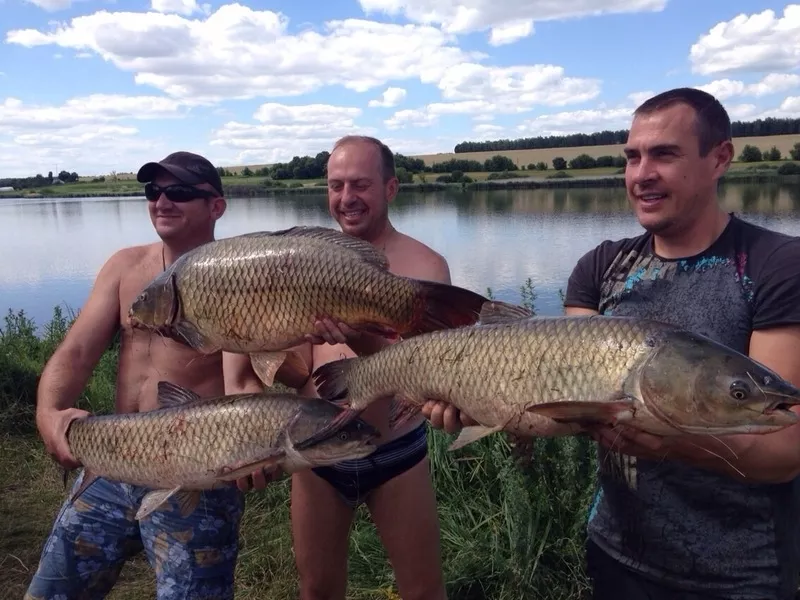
{"type": "Point", "coordinates": [96, 86]}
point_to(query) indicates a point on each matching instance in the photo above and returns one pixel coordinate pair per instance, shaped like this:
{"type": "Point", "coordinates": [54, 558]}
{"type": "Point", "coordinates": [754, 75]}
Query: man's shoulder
{"type": "Point", "coordinates": [764, 242]}
{"type": "Point", "coordinates": [412, 258]}
{"type": "Point", "coordinates": [608, 250]}
{"type": "Point", "coordinates": [130, 255]}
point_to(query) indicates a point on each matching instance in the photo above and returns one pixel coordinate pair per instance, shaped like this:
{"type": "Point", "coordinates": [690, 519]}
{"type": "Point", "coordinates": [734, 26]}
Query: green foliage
{"type": "Point", "coordinates": [750, 153]}
{"type": "Point", "coordinates": [772, 154]}
{"type": "Point", "coordinates": [795, 151]}
{"type": "Point", "coordinates": [789, 168]}
{"type": "Point", "coordinates": [23, 354]}
{"type": "Point", "coordinates": [559, 164]}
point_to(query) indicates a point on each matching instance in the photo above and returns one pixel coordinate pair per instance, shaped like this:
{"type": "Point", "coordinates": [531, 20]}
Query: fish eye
{"type": "Point", "coordinates": [344, 436]}
{"type": "Point", "coordinates": [739, 390]}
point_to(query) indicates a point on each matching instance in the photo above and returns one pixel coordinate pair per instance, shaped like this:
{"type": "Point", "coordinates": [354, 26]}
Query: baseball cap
{"type": "Point", "coordinates": [187, 167]}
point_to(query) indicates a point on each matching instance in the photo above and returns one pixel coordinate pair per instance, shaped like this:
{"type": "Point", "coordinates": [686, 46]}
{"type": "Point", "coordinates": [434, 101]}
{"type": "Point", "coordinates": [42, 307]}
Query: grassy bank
{"type": "Point", "coordinates": [600, 177]}
{"type": "Point", "coordinates": [512, 514]}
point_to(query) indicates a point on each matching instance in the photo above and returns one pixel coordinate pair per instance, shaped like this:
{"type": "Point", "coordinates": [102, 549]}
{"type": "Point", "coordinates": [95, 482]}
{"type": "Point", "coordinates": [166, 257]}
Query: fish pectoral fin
{"type": "Point", "coordinates": [88, 479]}
{"type": "Point", "coordinates": [153, 500]}
{"type": "Point", "coordinates": [583, 412]}
{"type": "Point", "coordinates": [171, 394]}
{"type": "Point", "coordinates": [188, 501]}
{"type": "Point", "coordinates": [240, 469]}
{"type": "Point", "coordinates": [472, 434]}
{"type": "Point", "coordinates": [401, 411]}
{"type": "Point", "coordinates": [496, 312]}
{"type": "Point", "coordinates": [192, 337]}
{"type": "Point", "coordinates": [267, 364]}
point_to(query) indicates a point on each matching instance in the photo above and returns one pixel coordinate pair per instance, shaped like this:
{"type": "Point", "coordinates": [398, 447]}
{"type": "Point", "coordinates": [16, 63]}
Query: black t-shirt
{"type": "Point", "coordinates": [691, 527]}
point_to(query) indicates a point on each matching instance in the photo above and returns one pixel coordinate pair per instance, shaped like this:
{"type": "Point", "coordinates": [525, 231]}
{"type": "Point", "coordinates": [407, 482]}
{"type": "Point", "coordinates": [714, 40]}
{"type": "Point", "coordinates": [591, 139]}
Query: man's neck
{"type": "Point", "coordinates": [382, 237]}
{"type": "Point", "coordinates": [698, 237]}
{"type": "Point", "coordinates": [172, 250]}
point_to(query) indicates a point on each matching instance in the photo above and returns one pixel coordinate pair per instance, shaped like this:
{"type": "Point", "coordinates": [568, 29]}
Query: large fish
{"type": "Point", "coordinates": [191, 444]}
{"type": "Point", "coordinates": [552, 376]}
{"type": "Point", "coordinates": [260, 293]}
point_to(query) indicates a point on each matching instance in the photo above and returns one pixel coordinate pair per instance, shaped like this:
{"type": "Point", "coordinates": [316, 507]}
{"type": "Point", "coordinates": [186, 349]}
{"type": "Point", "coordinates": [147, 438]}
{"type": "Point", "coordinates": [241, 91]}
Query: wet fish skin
{"type": "Point", "coordinates": [260, 293]}
{"type": "Point", "coordinates": [553, 376]}
{"type": "Point", "coordinates": [191, 444]}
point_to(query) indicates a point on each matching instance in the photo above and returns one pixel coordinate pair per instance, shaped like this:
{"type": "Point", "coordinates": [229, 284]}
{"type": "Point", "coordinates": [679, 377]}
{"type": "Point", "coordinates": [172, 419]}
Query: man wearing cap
{"type": "Point", "coordinates": [193, 549]}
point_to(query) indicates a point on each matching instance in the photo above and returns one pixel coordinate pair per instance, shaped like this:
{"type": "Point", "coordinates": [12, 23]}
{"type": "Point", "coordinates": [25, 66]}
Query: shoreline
{"type": "Point", "coordinates": [514, 182]}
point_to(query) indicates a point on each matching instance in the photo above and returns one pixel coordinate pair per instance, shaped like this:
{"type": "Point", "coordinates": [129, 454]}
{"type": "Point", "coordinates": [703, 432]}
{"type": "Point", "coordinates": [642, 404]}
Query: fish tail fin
{"type": "Point", "coordinates": [332, 381]}
{"type": "Point", "coordinates": [344, 417]}
{"type": "Point", "coordinates": [445, 306]}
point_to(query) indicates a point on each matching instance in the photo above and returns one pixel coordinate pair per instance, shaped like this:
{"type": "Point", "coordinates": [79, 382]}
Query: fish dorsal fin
{"type": "Point", "coordinates": [496, 312]}
{"type": "Point", "coordinates": [172, 394]}
{"type": "Point", "coordinates": [365, 250]}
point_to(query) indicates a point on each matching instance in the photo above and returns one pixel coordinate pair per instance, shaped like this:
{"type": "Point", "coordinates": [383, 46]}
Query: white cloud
{"type": "Point", "coordinates": [181, 7]}
{"type": "Point", "coordinates": [392, 96]}
{"type": "Point", "coordinates": [757, 42]}
{"type": "Point", "coordinates": [580, 121]}
{"type": "Point", "coordinates": [510, 32]}
{"type": "Point", "coordinates": [51, 5]}
{"type": "Point", "coordinates": [286, 131]}
{"type": "Point", "coordinates": [238, 52]}
{"type": "Point", "coordinates": [639, 97]}
{"type": "Point", "coordinates": [508, 20]}
{"type": "Point", "coordinates": [16, 115]}
{"type": "Point", "coordinates": [773, 83]}
{"type": "Point", "coordinates": [488, 91]}
{"type": "Point", "coordinates": [88, 134]}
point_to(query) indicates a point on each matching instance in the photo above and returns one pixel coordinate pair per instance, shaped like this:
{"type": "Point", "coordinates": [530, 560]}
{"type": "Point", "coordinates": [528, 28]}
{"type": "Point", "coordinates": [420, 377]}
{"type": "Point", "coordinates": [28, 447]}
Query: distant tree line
{"type": "Point", "coordinates": [754, 154]}
{"type": "Point", "coordinates": [38, 180]}
{"type": "Point", "coordinates": [759, 127]}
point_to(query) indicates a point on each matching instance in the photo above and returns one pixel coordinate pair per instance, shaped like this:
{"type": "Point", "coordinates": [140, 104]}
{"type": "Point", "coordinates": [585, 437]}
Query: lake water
{"type": "Point", "coordinates": [52, 248]}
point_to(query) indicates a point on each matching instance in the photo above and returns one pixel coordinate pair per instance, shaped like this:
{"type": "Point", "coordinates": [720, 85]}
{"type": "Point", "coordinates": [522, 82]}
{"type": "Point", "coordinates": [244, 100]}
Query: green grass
{"type": "Point", "coordinates": [512, 513]}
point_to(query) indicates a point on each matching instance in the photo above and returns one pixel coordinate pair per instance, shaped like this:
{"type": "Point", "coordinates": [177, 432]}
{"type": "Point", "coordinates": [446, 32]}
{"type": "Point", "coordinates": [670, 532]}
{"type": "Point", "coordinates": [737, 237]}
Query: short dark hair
{"type": "Point", "coordinates": [712, 123]}
{"type": "Point", "coordinates": [387, 156]}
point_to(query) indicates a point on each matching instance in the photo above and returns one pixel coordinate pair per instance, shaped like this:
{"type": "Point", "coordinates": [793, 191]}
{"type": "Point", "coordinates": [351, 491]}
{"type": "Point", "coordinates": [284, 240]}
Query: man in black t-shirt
{"type": "Point", "coordinates": [692, 517]}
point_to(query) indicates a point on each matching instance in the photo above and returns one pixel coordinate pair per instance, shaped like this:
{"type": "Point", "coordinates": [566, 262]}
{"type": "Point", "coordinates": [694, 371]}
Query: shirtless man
{"type": "Point", "coordinates": [394, 481]}
{"type": "Point", "coordinates": [93, 537]}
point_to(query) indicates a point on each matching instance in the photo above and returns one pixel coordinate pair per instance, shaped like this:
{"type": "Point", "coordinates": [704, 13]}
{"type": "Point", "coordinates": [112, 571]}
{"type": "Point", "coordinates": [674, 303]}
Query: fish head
{"type": "Point", "coordinates": [353, 440]}
{"type": "Point", "coordinates": [157, 307]}
{"type": "Point", "coordinates": [324, 434]}
{"type": "Point", "coordinates": [698, 385]}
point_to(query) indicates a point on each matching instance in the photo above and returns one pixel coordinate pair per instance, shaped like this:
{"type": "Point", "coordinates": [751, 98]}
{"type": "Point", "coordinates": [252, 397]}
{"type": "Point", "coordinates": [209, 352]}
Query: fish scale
{"type": "Point", "coordinates": [551, 376]}
{"type": "Point", "coordinates": [261, 293]}
{"type": "Point", "coordinates": [495, 371]}
{"type": "Point", "coordinates": [192, 444]}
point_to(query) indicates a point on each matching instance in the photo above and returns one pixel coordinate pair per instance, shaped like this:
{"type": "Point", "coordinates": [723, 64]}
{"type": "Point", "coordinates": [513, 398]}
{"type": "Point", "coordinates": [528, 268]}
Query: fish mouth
{"type": "Point", "coordinates": [781, 406]}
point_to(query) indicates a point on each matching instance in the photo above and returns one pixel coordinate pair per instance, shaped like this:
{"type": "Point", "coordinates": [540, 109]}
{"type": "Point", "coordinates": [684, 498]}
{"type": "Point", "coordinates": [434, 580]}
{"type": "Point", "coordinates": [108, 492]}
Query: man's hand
{"type": "Point", "coordinates": [258, 480]}
{"type": "Point", "coordinates": [331, 333]}
{"type": "Point", "coordinates": [53, 426]}
{"type": "Point", "coordinates": [443, 415]}
{"type": "Point", "coordinates": [630, 441]}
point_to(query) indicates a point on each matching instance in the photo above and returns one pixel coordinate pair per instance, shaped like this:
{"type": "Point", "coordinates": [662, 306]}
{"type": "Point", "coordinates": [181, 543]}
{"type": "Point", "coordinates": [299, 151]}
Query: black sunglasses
{"type": "Point", "coordinates": [177, 192]}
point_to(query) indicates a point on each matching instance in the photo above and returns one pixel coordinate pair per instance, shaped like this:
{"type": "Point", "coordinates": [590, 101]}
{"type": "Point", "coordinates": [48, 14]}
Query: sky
{"type": "Point", "coordinates": [101, 86]}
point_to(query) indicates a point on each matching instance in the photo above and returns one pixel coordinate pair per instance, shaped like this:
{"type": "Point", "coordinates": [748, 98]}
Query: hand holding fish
{"type": "Point", "coordinates": [258, 480]}
{"type": "Point", "coordinates": [443, 415]}
{"type": "Point", "coordinates": [361, 342]}
{"type": "Point", "coordinates": [631, 441]}
{"type": "Point", "coordinates": [53, 425]}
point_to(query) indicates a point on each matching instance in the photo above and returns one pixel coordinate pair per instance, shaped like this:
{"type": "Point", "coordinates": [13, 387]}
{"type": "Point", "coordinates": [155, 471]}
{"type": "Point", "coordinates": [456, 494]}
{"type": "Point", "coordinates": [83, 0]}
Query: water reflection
{"type": "Point", "coordinates": [491, 239]}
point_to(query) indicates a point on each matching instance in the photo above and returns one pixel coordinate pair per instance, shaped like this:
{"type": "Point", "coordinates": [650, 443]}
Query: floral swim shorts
{"type": "Point", "coordinates": [193, 556]}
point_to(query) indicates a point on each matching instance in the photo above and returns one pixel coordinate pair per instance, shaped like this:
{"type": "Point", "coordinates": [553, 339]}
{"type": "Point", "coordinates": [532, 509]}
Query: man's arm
{"type": "Point", "coordinates": [69, 368]}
